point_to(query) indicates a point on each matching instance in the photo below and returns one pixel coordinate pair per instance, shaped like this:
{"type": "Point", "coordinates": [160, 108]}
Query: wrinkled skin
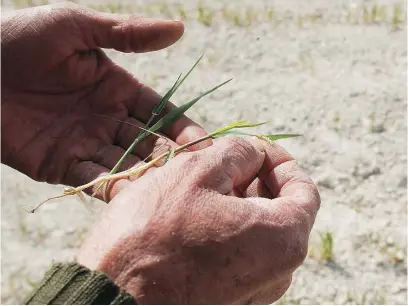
{"type": "Point", "coordinates": [56, 80]}
{"type": "Point", "coordinates": [225, 225]}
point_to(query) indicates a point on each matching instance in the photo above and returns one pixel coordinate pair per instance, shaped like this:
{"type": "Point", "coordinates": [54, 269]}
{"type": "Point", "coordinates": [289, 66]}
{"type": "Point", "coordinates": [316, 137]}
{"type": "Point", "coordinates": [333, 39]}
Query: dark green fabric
{"type": "Point", "coordinates": [73, 284]}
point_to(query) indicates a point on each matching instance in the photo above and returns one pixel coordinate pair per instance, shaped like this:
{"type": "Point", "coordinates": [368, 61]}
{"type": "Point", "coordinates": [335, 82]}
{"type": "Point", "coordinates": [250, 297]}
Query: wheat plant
{"type": "Point", "coordinates": [150, 128]}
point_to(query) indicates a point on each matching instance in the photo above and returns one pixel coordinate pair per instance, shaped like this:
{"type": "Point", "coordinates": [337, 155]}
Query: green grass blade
{"type": "Point", "coordinates": [230, 132]}
{"type": "Point", "coordinates": [156, 111]}
{"type": "Point", "coordinates": [177, 112]}
{"type": "Point", "coordinates": [168, 119]}
{"type": "Point", "coordinates": [239, 125]}
{"type": "Point", "coordinates": [272, 138]}
{"type": "Point", "coordinates": [160, 105]}
{"type": "Point", "coordinates": [188, 73]}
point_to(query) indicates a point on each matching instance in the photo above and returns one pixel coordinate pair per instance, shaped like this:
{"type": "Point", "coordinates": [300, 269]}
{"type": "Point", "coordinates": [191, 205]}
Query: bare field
{"type": "Point", "coordinates": [332, 70]}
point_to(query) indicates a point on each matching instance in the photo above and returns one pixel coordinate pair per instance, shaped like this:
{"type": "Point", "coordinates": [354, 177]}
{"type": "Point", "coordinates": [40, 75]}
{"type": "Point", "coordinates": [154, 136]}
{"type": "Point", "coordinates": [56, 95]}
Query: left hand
{"type": "Point", "coordinates": [55, 78]}
{"type": "Point", "coordinates": [225, 225]}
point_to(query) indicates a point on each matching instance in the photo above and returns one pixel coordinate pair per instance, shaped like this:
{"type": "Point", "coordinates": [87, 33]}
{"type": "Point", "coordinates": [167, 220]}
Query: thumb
{"type": "Point", "coordinates": [127, 33]}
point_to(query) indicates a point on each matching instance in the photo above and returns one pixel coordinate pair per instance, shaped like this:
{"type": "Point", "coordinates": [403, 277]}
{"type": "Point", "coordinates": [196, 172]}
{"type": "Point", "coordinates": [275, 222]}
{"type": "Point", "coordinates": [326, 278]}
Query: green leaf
{"type": "Point", "coordinates": [272, 138]}
{"type": "Point", "coordinates": [268, 138]}
{"type": "Point", "coordinates": [156, 111]}
{"type": "Point", "coordinates": [188, 73]}
{"type": "Point", "coordinates": [168, 119]}
{"type": "Point", "coordinates": [239, 125]}
{"type": "Point", "coordinates": [160, 105]}
{"type": "Point", "coordinates": [176, 113]}
{"type": "Point", "coordinates": [230, 132]}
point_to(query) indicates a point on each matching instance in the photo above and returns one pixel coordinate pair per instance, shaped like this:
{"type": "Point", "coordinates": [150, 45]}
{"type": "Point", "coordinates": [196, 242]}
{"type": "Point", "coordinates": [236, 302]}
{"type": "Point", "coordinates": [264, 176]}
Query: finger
{"type": "Point", "coordinates": [230, 162]}
{"type": "Point", "coordinates": [108, 157]}
{"type": "Point", "coordinates": [84, 172]}
{"type": "Point", "coordinates": [126, 33]}
{"type": "Point", "coordinates": [257, 188]}
{"type": "Point", "coordinates": [151, 146]}
{"type": "Point", "coordinates": [87, 171]}
{"type": "Point", "coordinates": [285, 179]}
{"type": "Point", "coordinates": [181, 131]}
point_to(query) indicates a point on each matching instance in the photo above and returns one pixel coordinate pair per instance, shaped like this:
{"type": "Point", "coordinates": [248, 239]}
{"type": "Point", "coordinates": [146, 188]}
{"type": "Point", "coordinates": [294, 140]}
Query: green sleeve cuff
{"type": "Point", "coordinates": [74, 284]}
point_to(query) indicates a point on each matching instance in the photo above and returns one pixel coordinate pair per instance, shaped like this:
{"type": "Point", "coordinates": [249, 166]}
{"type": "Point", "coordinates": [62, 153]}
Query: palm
{"type": "Point", "coordinates": [58, 89]}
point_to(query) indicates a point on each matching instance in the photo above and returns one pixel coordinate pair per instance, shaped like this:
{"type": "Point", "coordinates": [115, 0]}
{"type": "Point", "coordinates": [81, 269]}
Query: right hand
{"type": "Point", "coordinates": [56, 78]}
{"type": "Point", "coordinates": [227, 224]}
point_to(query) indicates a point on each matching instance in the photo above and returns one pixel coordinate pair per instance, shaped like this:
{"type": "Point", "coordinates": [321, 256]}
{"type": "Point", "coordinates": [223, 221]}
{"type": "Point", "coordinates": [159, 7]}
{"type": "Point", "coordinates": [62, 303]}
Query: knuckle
{"type": "Point", "coordinates": [239, 145]}
{"type": "Point", "coordinates": [189, 159]}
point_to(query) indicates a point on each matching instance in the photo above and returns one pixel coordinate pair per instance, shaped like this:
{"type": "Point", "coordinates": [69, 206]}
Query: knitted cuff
{"type": "Point", "coordinates": [72, 283]}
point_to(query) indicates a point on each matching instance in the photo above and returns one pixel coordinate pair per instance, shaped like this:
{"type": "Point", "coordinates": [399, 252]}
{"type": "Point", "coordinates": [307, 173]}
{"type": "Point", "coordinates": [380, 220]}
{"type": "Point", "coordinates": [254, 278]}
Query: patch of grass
{"type": "Point", "coordinates": [247, 15]}
{"type": "Point", "coordinates": [397, 17]}
{"type": "Point", "coordinates": [205, 15]}
{"type": "Point", "coordinates": [270, 13]}
{"type": "Point", "coordinates": [365, 298]}
{"type": "Point", "coordinates": [374, 13]}
{"type": "Point", "coordinates": [326, 246]}
{"type": "Point", "coordinates": [237, 20]}
{"type": "Point", "coordinates": [182, 12]}
{"type": "Point", "coordinates": [376, 125]}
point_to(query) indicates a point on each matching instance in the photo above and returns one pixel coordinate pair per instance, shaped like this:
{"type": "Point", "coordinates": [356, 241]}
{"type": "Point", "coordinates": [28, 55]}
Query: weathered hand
{"type": "Point", "coordinates": [55, 78]}
{"type": "Point", "coordinates": [227, 224]}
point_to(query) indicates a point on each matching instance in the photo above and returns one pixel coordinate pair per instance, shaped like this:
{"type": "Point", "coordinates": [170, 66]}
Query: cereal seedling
{"type": "Point", "coordinates": [374, 13]}
{"type": "Point", "coordinates": [182, 12]}
{"type": "Point", "coordinates": [270, 14]}
{"type": "Point", "coordinates": [205, 16]}
{"type": "Point", "coordinates": [164, 121]}
{"type": "Point", "coordinates": [326, 247]}
{"type": "Point", "coordinates": [397, 20]}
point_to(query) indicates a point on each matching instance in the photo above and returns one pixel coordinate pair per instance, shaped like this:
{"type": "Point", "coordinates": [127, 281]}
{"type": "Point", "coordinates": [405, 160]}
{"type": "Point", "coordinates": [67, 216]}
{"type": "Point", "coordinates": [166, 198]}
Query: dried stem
{"type": "Point", "coordinates": [139, 171]}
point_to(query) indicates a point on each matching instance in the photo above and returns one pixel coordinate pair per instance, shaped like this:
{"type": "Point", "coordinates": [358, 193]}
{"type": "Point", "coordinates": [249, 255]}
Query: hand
{"type": "Point", "coordinates": [227, 224]}
{"type": "Point", "coordinates": [56, 79]}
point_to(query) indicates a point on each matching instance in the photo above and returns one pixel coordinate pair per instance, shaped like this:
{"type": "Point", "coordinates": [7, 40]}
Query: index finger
{"type": "Point", "coordinates": [284, 178]}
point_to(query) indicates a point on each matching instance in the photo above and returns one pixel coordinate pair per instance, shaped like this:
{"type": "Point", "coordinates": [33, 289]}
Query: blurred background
{"type": "Point", "coordinates": [334, 71]}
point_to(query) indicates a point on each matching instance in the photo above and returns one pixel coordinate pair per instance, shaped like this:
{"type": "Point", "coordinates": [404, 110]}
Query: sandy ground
{"type": "Point", "coordinates": [339, 81]}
